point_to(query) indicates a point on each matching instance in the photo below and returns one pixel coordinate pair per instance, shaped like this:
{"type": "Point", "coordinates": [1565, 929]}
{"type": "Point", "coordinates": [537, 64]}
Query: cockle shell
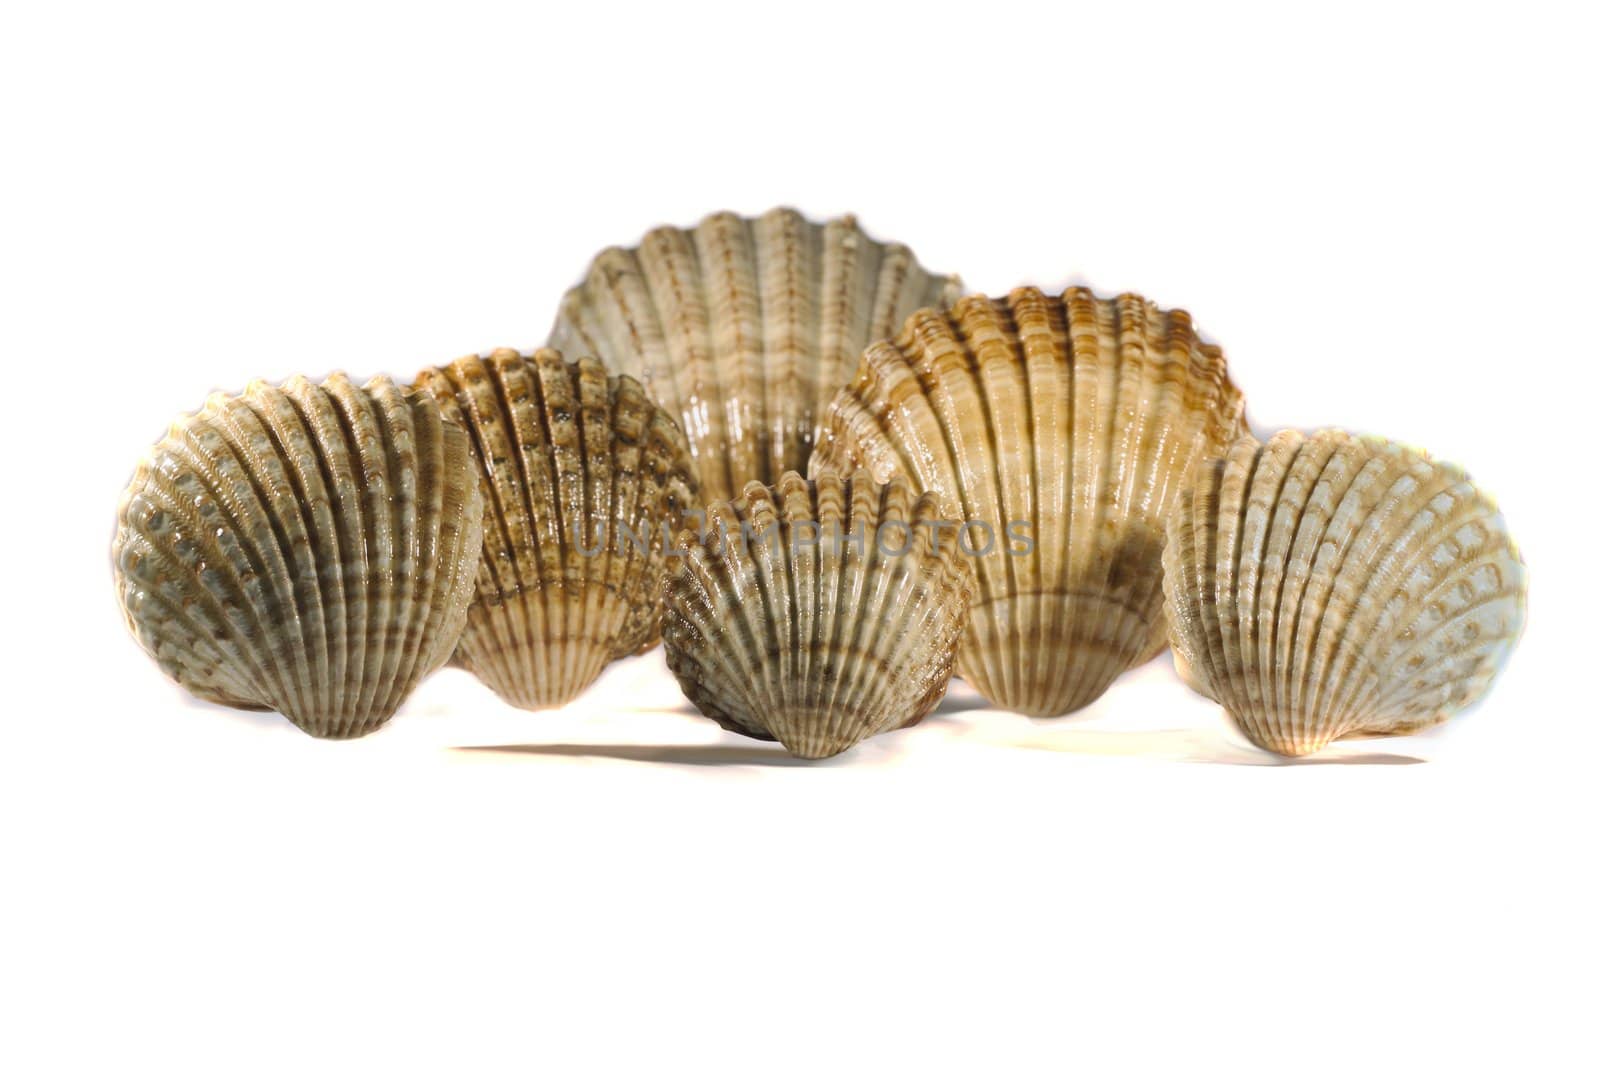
{"type": "Point", "coordinates": [1328, 586]}
{"type": "Point", "coordinates": [581, 475]}
{"type": "Point", "coordinates": [744, 328]}
{"type": "Point", "coordinates": [1059, 430]}
{"type": "Point", "coordinates": [308, 548]}
{"type": "Point", "coordinates": [817, 613]}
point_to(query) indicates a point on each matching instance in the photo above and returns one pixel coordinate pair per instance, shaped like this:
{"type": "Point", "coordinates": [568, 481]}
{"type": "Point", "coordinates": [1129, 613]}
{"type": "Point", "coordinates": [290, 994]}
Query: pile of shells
{"type": "Point", "coordinates": [1034, 492]}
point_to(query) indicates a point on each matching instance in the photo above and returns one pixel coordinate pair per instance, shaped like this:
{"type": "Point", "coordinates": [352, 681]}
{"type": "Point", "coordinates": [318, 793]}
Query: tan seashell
{"type": "Point", "coordinates": [563, 450]}
{"type": "Point", "coordinates": [744, 328]}
{"type": "Point", "coordinates": [1060, 430]}
{"type": "Point", "coordinates": [307, 548]}
{"type": "Point", "coordinates": [817, 642]}
{"type": "Point", "coordinates": [1327, 586]}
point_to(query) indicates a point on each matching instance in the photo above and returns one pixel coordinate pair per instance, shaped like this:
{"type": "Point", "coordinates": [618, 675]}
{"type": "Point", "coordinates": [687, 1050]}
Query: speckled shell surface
{"type": "Point", "coordinates": [1327, 586]}
{"type": "Point", "coordinates": [820, 635]}
{"type": "Point", "coordinates": [308, 548]}
{"type": "Point", "coordinates": [1069, 420]}
{"type": "Point", "coordinates": [743, 328]}
{"type": "Point", "coordinates": [580, 475]}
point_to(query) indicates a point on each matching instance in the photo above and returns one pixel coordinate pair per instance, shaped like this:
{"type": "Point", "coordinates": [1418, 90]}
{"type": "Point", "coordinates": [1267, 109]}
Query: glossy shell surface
{"type": "Point", "coordinates": [308, 548]}
{"type": "Point", "coordinates": [581, 476]}
{"type": "Point", "coordinates": [743, 328]}
{"type": "Point", "coordinates": [1058, 430]}
{"type": "Point", "coordinates": [1329, 586]}
{"type": "Point", "coordinates": [817, 613]}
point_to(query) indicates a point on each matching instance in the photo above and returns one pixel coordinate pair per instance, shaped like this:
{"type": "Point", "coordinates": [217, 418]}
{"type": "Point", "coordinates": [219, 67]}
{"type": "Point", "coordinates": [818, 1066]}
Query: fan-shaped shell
{"type": "Point", "coordinates": [581, 475]}
{"type": "Point", "coordinates": [307, 548]}
{"type": "Point", "coordinates": [744, 328]}
{"type": "Point", "coordinates": [817, 613]}
{"type": "Point", "coordinates": [1328, 586]}
{"type": "Point", "coordinates": [1059, 430]}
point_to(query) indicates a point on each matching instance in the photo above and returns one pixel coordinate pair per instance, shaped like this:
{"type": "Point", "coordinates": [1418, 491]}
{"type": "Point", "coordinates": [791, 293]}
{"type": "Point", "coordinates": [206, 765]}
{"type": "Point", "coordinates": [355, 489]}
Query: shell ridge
{"type": "Point", "coordinates": [616, 571]}
{"type": "Point", "coordinates": [423, 542]}
{"type": "Point", "coordinates": [710, 573]}
{"type": "Point", "coordinates": [360, 421]}
{"type": "Point", "coordinates": [1279, 527]}
{"type": "Point", "coordinates": [858, 671]}
{"type": "Point", "coordinates": [782, 283]}
{"type": "Point", "coordinates": [292, 439]}
{"type": "Point", "coordinates": [514, 414]}
{"type": "Point", "coordinates": [1313, 565]}
{"type": "Point", "coordinates": [946, 367]}
{"type": "Point", "coordinates": [1341, 588]}
{"type": "Point", "coordinates": [1273, 473]}
{"type": "Point", "coordinates": [760, 510]}
{"type": "Point", "coordinates": [238, 497]}
{"type": "Point", "coordinates": [461, 403]}
{"type": "Point", "coordinates": [1235, 501]}
{"type": "Point", "coordinates": [729, 261]}
{"type": "Point", "coordinates": [397, 430]}
{"type": "Point", "coordinates": [1319, 543]}
{"type": "Point", "coordinates": [314, 409]}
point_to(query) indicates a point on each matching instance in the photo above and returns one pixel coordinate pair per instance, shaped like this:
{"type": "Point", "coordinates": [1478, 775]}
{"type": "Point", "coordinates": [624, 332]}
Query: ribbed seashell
{"type": "Point", "coordinates": [743, 328]}
{"type": "Point", "coordinates": [581, 476]}
{"type": "Point", "coordinates": [1059, 430]}
{"type": "Point", "coordinates": [817, 613]}
{"type": "Point", "coordinates": [1328, 586]}
{"type": "Point", "coordinates": [306, 548]}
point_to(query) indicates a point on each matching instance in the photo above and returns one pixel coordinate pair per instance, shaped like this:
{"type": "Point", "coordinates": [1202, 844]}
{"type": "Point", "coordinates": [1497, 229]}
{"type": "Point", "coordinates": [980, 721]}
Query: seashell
{"type": "Point", "coordinates": [307, 548]}
{"type": "Point", "coordinates": [743, 329]}
{"type": "Point", "coordinates": [1059, 431]}
{"type": "Point", "coordinates": [817, 613]}
{"type": "Point", "coordinates": [1328, 586]}
{"type": "Point", "coordinates": [580, 475]}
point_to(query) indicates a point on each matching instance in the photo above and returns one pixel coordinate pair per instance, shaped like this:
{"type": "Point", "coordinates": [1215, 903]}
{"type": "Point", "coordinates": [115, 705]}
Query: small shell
{"type": "Point", "coordinates": [580, 474]}
{"type": "Point", "coordinates": [744, 328]}
{"type": "Point", "coordinates": [1059, 429]}
{"type": "Point", "coordinates": [1327, 586]}
{"type": "Point", "coordinates": [817, 613]}
{"type": "Point", "coordinates": [307, 548]}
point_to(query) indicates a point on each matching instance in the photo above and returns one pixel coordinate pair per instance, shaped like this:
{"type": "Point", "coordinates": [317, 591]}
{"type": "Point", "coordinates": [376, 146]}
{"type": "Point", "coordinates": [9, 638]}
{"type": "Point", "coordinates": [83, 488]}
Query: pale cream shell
{"type": "Point", "coordinates": [308, 548]}
{"type": "Point", "coordinates": [1330, 586]}
{"type": "Point", "coordinates": [581, 477]}
{"type": "Point", "coordinates": [743, 328]}
{"type": "Point", "coordinates": [817, 635]}
{"type": "Point", "coordinates": [1076, 418]}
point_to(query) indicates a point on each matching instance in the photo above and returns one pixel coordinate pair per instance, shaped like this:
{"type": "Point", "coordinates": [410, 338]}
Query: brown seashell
{"type": "Point", "coordinates": [1328, 586]}
{"type": "Point", "coordinates": [817, 641]}
{"type": "Point", "coordinates": [306, 548]}
{"type": "Point", "coordinates": [580, 474]}
{"type": "Point", "coordinates": [744, 328]}
{"type": "Point", "coordinates": [1058, 430]}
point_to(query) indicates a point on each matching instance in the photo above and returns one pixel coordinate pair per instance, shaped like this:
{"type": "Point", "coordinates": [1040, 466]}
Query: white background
{"type": "Point", "coordinates": [1385, 215]}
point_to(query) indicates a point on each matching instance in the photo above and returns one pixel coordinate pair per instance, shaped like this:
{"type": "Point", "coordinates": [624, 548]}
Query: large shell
{"type": "Point", "coordinates": [307, 548]}
{"type": "Point", "coordinates": [1327, 586]}
{"type": "Point", "coordinates": [817, 613]}
{"type": "Point", "coordinates": [744, 328]}
{"type": "Point", "coordinates": [580, 474]}
{"type": "Point", "coordinates": [1060, 429]}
